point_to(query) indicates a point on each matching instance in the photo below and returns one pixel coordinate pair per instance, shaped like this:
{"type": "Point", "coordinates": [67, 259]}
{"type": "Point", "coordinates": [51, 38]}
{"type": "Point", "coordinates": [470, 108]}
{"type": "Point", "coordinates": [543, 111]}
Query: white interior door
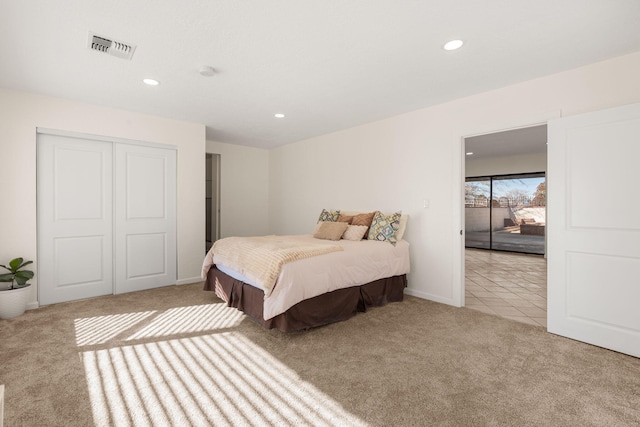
{"type": "Point", "coordinates": [145, 217]}
{"type": "Point", "coordinates": [594, 228]}
{"type": "Point", "coordinates": [75, 216]}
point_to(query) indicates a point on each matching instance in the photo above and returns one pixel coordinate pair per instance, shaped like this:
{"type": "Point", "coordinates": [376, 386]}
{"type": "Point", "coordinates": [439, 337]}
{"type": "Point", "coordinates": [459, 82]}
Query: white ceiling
{"type": "Point", "coordinates": [326, 64]}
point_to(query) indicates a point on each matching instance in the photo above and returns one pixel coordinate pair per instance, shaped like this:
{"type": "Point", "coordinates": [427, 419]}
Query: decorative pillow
{"type": "Point", "coordinates": [403, 226]}
{"type": "Point", "coordinates": [384, 227]}
{"type": "Point", "coordinates": [345, 218]}
{"type": "Point", "coordinates": [317, 227]}
{"type": "Point", "coordinates": [330, 230]}
{"type": "Point", "coordinates": [363, 219]}
{"type": "Point", "coordinates": [355, 232]}
{"type": "Point", "coordinates": [331, 216]}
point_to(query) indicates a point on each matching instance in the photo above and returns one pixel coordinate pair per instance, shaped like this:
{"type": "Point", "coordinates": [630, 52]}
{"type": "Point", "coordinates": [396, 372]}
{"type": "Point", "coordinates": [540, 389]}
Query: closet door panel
{"type": "Point", "coordinates": [145, 217]}
{"type": "Point", "coordinates": [146, 254]}
{"type": "Point", "coordinates": [74, 200]}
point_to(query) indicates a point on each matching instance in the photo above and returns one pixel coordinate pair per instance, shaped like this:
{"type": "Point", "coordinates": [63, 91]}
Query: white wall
{"type": "Point", "coordinates": [21, 113]}
{"type": "Point", "coordinates": [244, 189]}
{"type": "Point", "coordinates": [506, 165]}
{"type": "Point", "coordinates": [397, 162]}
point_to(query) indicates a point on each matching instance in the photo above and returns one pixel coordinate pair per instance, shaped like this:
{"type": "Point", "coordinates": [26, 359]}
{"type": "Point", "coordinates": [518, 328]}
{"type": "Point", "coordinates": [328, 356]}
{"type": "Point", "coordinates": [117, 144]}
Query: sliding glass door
{"type": "Point", "coordinates": [477, 194]}
{"type": "Point", "coordinates": [506, 212]}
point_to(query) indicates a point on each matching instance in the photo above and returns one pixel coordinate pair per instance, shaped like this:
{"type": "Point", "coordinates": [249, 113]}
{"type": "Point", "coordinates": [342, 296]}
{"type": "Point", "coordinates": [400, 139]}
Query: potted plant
{"type": "Point", "coordinates": [14, 297]}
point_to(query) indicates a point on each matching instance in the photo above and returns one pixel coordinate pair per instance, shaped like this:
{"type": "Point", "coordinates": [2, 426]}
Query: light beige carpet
{"type": "Point", "coordinates": [177, 356]}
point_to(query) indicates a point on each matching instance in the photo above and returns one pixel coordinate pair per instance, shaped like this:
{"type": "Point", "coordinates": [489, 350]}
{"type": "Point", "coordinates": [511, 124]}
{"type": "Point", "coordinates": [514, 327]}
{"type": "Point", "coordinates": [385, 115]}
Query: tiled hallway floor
{"type": "Point", "coordinates": [507, 284]}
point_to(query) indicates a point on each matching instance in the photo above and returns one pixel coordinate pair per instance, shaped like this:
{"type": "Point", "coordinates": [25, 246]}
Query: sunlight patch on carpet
{"type": "Point", "coordinates": [152, 324]}
{"type": "Point", "coordinates": [101, 329]}
{"type": "Point", "coordinates": [197, 318]}
{"type": "Point", "coordinates": [220, 379]}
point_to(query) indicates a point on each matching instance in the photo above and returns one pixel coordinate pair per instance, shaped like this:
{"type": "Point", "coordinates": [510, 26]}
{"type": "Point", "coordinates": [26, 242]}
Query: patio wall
{"type": "Point", "coordinates": [477, 219]}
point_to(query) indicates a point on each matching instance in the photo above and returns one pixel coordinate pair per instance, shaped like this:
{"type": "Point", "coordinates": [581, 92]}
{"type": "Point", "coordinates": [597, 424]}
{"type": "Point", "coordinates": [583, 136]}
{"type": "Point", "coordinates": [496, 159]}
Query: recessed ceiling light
{"type": "Point", "coordinates": [151, 82]}
{"type": "Point", "coordinates": [279, 115]}
{"type": "Point", "coordinates": [453, 45]}
{"type": "Point", "coordinates": [470, 153]}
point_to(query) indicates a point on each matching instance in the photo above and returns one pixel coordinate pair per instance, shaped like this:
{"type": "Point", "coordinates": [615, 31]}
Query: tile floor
{"type": "Point", "coordinates": [507, 284]}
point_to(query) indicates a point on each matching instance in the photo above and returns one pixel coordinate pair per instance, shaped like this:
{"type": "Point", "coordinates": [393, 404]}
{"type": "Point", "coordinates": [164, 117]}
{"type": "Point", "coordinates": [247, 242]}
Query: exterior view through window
{"type": "Point", "coordinates": [506, 212]}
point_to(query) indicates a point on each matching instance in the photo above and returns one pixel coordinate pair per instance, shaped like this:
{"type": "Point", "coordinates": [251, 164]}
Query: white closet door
{"type": "Point", "coordinates": [75, 218]}
{"type": "Point", "coordinates": [145, 217]}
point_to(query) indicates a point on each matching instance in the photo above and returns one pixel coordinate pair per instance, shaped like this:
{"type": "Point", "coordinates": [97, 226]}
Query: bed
{"type": "Point", "coordinates": [341, 276]}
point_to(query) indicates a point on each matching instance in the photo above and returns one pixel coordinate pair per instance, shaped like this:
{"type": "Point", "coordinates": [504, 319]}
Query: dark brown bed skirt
{"type": "Point", "coordinates": [331, 307]}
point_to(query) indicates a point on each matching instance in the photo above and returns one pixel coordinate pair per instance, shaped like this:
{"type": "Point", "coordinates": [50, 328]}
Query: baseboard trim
{"type": "Point", "coordinates": [189, 281]}
{"type": "Point", "coordinates": [1, 404]}
{"type": "Point", "coordinates": [428, 296]}
{"type": "Point", "coordinates": [34, 304]}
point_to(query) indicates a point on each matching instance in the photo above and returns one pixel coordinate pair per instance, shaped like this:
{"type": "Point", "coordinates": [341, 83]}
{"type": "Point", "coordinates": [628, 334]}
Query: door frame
{"type": "Point", "coordinates": [103, 138]}
{"type": "Point", "coordinates": [216, 160]}
{"type": "Point", "coordinates": [458, 262]}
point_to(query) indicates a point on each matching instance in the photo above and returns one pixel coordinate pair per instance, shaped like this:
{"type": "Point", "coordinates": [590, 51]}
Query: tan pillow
{"type": "Point", "coordinates": [330, 230]}
{"type": "Point", "coordinates": [345, 218]}
{"type": "Point", "coordinates": [363, 219]}
{"type": "Point", "coordinates": [355, 232]}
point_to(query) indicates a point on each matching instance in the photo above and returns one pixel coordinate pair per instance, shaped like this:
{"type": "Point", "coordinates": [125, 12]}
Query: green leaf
{"type": "Point", "coordinates": [15, 264]}
{"type": "Point", "coordinates": [21, 281]}
{"type": "Point", "coordinates": [24, 274]}
{"type": "Point", "coordinates": [8, 277]}
{"type": "Point", "coordinates": [25, 263]}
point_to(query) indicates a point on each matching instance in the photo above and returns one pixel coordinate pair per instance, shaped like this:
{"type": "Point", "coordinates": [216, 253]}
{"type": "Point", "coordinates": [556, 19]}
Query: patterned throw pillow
{"type": "Point", "coordinates": [384, 228]}
{"type": "Point", "coordinates": [330, 216]}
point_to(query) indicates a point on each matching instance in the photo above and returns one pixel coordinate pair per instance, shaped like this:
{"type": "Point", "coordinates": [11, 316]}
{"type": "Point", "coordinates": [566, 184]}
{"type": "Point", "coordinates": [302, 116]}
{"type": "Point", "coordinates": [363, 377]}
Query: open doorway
{"type": "Point", "coordinates": [505, 216]}
{"type": "Point", "coordinates": [212, 199]}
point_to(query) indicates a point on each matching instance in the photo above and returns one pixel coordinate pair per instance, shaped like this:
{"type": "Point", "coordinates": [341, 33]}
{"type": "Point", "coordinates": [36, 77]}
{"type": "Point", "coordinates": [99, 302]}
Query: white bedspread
{"type": "Point", "coordinates": [359, 263]}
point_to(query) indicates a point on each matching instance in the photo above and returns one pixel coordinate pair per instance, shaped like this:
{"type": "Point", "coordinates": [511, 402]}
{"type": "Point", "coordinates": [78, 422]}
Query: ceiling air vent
{"type": "Point", "coordinates": [110, 46]}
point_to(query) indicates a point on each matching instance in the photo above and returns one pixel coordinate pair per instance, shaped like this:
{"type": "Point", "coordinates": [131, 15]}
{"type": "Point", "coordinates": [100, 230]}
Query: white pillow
{"type": "Point", "coordinates": [355, 232]}
{"type": "Point", "coordinates": [403, 225]}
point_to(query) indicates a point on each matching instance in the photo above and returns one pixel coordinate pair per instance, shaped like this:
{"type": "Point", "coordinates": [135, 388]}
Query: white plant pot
{"type": "Point", "coordinates": [13, 302]}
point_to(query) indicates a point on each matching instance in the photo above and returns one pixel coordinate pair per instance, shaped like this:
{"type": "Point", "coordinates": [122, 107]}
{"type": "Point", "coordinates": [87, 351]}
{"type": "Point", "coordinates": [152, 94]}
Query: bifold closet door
{"type": "Point", "coordinates": [75, 218]}
{"type": "Point", "coordinates": [145, 217]}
